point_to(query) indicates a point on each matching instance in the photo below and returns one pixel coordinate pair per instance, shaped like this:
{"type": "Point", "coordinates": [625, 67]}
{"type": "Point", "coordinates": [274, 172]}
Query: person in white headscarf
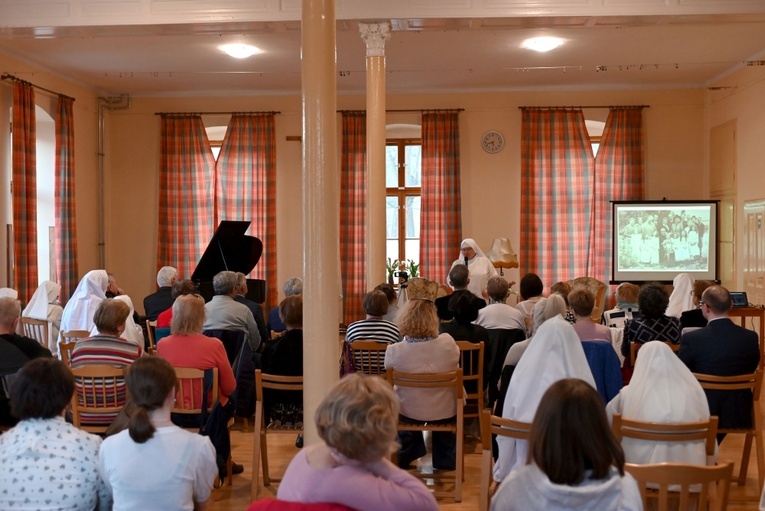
{"type": "Point", "coordinates": [555, 353]}
{"type": "Point", "coordinates": [79, 310]}
{"type": "Point", "coordinates": [681, 299]}
{"type": "Point", "coordinates": [6, 292]}
{"type": "Point", "coordinates": [133, 333]}
{"type": "Point", "coordinates": [662, 390]}
{"type": "Point", "coordinates": [44, 306]}
{"type": "Point", "coordinates": [479, 266]}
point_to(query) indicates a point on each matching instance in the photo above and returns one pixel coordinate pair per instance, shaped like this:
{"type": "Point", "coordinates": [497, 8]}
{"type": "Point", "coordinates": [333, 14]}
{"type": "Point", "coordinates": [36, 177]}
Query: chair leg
{"type": "Point", "coordinates": [760, 453]}
{"type": "Point", "coordinates": [264, 458]}
{"type": "Point", "coordinates": [257, 426]}
{"type": "Point", "coordinates": [460, 461]}
{"type": "Point", "coordinates": [745, 459]}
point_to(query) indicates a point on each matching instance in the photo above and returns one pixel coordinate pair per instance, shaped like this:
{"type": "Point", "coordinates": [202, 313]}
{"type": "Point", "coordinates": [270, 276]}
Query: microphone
{"type": "Point", "coordinates": [466, 260]}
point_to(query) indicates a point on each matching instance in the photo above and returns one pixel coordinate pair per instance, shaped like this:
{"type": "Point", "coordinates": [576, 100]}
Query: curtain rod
{"type": "Point", "coordinates": [16, 79]}
{"type": "Point", "coordinates": [420, 110]}
{"type": "Point", "coordinates": [580, 107]}
{"type": "Point", "coordinates": [214, 113]}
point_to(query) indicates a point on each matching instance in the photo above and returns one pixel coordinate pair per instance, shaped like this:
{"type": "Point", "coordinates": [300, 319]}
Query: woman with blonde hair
{"type": "Point", "coordinates": [357, 424]}
{"type": "Point", "coordinates": [155, 464]}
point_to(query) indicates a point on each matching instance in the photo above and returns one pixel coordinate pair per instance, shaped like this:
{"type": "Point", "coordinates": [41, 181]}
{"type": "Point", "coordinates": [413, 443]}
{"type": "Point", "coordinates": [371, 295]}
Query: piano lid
{"type": "Point", "coordinates": [229, 249]}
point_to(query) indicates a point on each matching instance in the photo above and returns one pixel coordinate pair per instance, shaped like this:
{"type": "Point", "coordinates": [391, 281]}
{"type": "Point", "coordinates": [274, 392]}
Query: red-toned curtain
{"type": "Point", "coordinates": [24, 190]}
{"type": "Point", "coordinates": [186, 192]}
{"type": "Point", "coordinates": [245, 186]}
{"type": "Point", "coordinates": [556, 194]}
{"type": "Point", "coordinates": [619, 175]}
{"type": "Point", "coordinates": [353, 213]}
{"type": "Point", "coordinates": [66, 228]}
{"type": "Point", "coordinates": [441, 209]}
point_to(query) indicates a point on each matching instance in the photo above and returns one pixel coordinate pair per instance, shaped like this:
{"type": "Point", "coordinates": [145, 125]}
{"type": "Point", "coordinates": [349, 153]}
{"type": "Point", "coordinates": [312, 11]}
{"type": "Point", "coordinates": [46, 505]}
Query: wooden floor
{"type": "Point", "coordinates": [282, 449]}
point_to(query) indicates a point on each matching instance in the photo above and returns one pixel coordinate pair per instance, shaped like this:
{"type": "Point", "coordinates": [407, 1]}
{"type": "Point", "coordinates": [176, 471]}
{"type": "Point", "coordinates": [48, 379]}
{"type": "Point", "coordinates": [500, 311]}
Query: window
{"type": "Point", "coordinates": [402, 181]}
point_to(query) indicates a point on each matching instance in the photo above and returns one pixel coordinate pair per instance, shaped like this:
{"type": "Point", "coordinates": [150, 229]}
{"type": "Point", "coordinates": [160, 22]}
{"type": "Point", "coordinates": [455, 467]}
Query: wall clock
{"type": "Point", "coordinates": [492, 142]}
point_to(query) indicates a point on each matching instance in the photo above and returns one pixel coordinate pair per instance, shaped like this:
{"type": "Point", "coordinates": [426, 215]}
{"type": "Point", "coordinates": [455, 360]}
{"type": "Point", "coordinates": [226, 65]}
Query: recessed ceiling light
{"type": "Point", "coordinates": [542, 44]}
{"type": "Point", "coordinates": [240, 51]}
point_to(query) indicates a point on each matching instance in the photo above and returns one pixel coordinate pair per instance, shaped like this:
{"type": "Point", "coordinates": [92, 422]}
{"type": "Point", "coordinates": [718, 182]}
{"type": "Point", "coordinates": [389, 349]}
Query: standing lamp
{"type": "Point", "coordinates": [502, 255]}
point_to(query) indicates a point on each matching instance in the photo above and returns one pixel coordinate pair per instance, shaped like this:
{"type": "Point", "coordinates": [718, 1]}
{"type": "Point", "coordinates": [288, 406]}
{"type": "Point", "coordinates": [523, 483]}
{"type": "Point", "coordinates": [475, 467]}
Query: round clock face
{"type": "Point", "coordinates": [492, 142]}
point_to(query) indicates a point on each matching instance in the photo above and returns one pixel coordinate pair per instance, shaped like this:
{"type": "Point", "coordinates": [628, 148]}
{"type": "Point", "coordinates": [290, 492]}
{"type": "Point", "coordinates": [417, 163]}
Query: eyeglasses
{"type": "Point", "coordinates": [702, 303]}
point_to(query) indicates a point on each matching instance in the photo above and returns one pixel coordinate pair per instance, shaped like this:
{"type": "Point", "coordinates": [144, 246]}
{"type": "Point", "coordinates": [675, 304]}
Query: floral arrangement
{"type": "Point", "coordinates": [394, 265]}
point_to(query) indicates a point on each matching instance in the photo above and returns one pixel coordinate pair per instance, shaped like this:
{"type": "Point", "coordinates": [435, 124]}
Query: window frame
{"type": "Point", "coordinates": [401, 192]}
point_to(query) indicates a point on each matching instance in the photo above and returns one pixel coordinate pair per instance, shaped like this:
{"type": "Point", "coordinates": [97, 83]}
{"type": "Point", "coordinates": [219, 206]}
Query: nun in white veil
{"type": "Point", "coordinates": [681, 299]}
{"type": "Point", "coordinates": [480, 268]}
{"type": "Point", "coordinates": [79, 310]}
{"type": "Point", "coordinates": [6, 292]}
{"type": "Point", "coordinates": [663, 390]}
{"type": "Point", "coordinates": [555, 353]}
{"type": "Point", "coordinates": [44, 306]}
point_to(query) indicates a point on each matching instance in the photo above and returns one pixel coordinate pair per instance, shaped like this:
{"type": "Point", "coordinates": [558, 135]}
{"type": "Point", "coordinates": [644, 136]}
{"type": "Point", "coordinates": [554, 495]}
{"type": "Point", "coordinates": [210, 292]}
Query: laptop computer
{"type": "Point", "coordinates": [738, 299]}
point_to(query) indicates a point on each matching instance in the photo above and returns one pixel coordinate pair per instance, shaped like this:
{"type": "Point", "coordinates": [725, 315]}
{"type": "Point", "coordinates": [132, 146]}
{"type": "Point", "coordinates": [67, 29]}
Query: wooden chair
{"type": "Point", "coordinates": [260, 442]}
{"type": "Point", "coordinates": [74, 335]}
{"type": "Point", "coordinates": [151, 327]}
{"type": "Point", "coordinates": [188, 400]}
{"type": "Point", "coordinates": [674, 432]}
{"type": "Point", "coordinates": [100, 393]}
{"type": "Point", "coordinates": [369, 356]}
{"type": "Point", "coordinates": [453, 381]}
{"type": "Point", "coordinates": [635, 347]}
{"type": "Point", "coordinates": [471, 362]}
{"type": "Point", "coordinates": [65, 351]}
{"type": "Point", "coordinates": [493, 425]}
{"type": "Point", "coordinates": [753, 383]}
{"type": "Point", "coordinates": [36, 329]}
{"type": "Point", "coordinates": [714, 483]}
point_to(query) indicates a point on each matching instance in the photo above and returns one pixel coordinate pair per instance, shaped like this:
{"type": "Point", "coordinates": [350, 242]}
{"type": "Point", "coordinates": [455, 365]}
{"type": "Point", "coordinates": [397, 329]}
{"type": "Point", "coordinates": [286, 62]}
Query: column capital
{"type": "Point", "coordinates": [375, 35]}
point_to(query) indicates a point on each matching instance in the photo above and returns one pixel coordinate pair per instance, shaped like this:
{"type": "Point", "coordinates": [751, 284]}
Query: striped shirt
{"type": "Point", "coordinates": [373, 330]}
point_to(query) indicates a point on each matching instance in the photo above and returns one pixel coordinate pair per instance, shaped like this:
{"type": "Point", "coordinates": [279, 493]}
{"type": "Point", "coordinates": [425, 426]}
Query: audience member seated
{"type": "Point", "coordinates": [187, 347]}
{"type": "Point", "coordinates": [133, 333]}
{"type": "Point", "coordinates": [15, 351]}
{"type": "Point", "coordinates": [357, 423]}
{"type": "Point", "coordinates": [423, 351]}
{"type": "Point", "coordinates": [544, 309]}
{"type": "Point", "coordinates": [284, 357]}
{"type": "Point", "coordinates": [155, 464]}
{"type": "Point", "coordinates": [481, 269]}
{"type": "Point", "coordinates": [374, 327]}
{"type": "Point", "coordinates": [255, 308]}
{"type": "Point", "coordinates": [582, 302]}
{"type": "Point", "coordinates": [82, 305]}
{"type": "Point", "coordinates": [681, 299]}
{"type": "Point", "coordinates": [113, 291]}
{"type": "Point", "coordinates": [694, 318]}
{"type": "Point", "coordinates": [44, 306]}
{"type": "Point", "coordinates": [47, 462]}
{"type": "Point", "coordinates": [392, 296]}
{"type": "Point", "coordinates": [162, 299]}
{"type": "Point", "coordinates": [575, 463]}
{"type": "Point", "coordinates": [465, 310]}
{"type": "Point", "coordinates": [293, 286]}
{"type": "Point", "coordinates": [180, 288]}
{"type": "Point", "coordinates": [458, 280]}
{"type": "Point", "coordinates": [626, 306]}
{"type": "Point", "coordinates": [225, 313]}
{"type": "Point", "coordinates": [722, 348]}
{"type": "Point", "coordinates": [555, 353]}
{"type": "Point", "coordinates": [498, 314]}
{"type": "Point", "coordinates": [531, 292]}
{"type": "Point", "coordinates": [564, 289]}
{"type": "Point", "coordinates": [662, 390]}
{"type": "Point", "coordinates": [653, 325]}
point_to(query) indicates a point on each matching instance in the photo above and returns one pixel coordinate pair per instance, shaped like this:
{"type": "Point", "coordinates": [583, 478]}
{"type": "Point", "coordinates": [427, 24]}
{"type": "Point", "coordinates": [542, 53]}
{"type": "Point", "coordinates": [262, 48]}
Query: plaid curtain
{"type": "Point", "coordinates": [245, 187]}
{"type": "Point", "coordinates": [618, 176]}
{"type": "Point", "coordinates": [353, 212]}
{"type": "Point", "coordinates": [186, 193]}
{"type": "Point", "coordinates": [557, 186]}
{"type": "Point", "coordinates": [24, 190]}
{"type": "Point", "coordinates": [66, 228]}
{"type": "Point", "coordinates": [441, 209]}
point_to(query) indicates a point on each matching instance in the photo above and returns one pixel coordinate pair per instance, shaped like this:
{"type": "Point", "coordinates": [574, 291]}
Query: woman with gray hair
{"type": "Point", "coordinates": [293, 286]}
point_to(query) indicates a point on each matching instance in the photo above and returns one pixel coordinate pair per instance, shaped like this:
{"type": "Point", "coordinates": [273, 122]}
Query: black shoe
{"type": "Point", "coordinates": [236, 468]}
{"type": "Point", "coordinates": [299, 442]}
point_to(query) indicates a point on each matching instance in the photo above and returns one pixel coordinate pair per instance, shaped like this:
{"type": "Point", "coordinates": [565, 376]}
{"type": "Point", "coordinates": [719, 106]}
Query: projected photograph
{"type": "Point", "coordinates": [664, 239]}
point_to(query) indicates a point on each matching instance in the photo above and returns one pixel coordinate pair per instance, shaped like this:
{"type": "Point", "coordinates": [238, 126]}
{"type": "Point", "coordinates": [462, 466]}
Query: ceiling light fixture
{"type": "Point", "coordinates": [542, 44]}
{"type": "Point", "coordinates": [239, 50]}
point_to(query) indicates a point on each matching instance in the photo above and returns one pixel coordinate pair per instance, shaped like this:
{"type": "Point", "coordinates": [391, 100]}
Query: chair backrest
{"type": "Point", "coordinates": [232, 340]}
{"type": "Point", "coordinates": [36, 329]}
{"type": "Point", "coordinates": [369, 356]}
{"type": "Point", "coordinates": [598, 290]}
{"type": "Point", "coordinates": [74, 335]}
{"type": "Point", "coordinates": [65, 350]}
{"type": "Point", "coordinates": [100, 393]}
{"type": "Point", "coordinates": [451, 379]}
{"type": "Point", "coordinates": [495, 351]}
{"type": "Point", "coordinates": [151, 328]}
{"type": "Point", "coordinates": [191, 383]}
{"type": "Point", "coordinates": [664, 475]}
{"type": "Point", "coordinates": [276, 382]}
{"type": "Point", "coordinates": [751, 381]}
{"type": "Point", "coordinates": [471, 362]}
{"type": "Point", "coordinates": [672, 432]}
{"type": "Point", "coordinates": [635, 347]}
{"type": "Point", "coordinates": [605, 367]}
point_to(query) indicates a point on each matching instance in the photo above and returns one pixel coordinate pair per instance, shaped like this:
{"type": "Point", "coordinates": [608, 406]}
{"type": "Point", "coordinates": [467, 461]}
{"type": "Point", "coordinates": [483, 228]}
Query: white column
{"type": "Point", "coordinates": [321, 218]}
{"type": "Point", "coordinates": [375, 35]}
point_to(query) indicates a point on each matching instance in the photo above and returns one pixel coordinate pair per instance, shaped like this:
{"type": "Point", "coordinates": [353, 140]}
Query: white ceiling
{"type": "Point", "coordinates": [423, 55]}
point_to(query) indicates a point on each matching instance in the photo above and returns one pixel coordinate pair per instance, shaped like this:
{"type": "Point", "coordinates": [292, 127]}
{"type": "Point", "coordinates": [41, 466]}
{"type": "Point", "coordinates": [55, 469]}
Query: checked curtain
{"type": "Point", "coordinates": [245, 186]}
{"type": "Point", "coordinates": [66, 228]}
